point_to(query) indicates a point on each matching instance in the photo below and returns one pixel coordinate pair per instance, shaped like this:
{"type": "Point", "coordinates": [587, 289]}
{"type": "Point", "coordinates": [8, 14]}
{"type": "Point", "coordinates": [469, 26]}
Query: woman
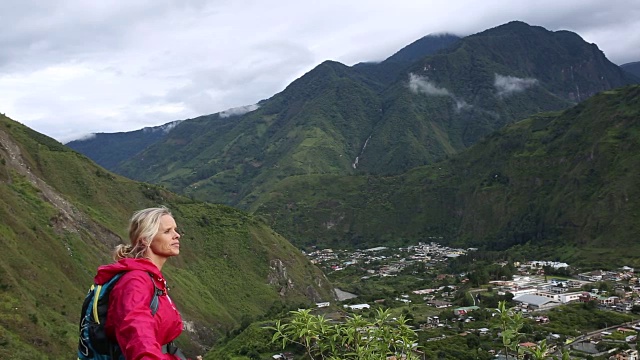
{"type": "Point", "coordinates": [141, 335]}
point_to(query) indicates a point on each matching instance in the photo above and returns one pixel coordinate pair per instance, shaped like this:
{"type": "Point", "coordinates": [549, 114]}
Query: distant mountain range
{"type": "Point", "coordinates": [430, 100]}
{"type": "Point", "coordinates": [120, 146]}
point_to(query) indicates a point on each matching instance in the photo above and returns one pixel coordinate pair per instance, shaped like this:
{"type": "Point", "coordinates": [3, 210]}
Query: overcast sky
{"type": "Point", "coordinates": [70, 68]}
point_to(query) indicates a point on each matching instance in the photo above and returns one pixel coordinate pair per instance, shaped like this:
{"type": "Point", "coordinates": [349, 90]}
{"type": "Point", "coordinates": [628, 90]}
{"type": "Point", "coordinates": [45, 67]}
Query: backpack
{"type": "Point", "coordinates": [93, 342]}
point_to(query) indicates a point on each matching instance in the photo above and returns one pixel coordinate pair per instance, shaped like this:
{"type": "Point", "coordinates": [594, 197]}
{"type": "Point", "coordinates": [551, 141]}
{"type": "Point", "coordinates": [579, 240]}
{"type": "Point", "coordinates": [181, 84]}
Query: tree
{"type": "Point", "coordinates": [591, 305]}
{"type": "Point", "coordinates": [473, 341]}
{"type": "Point", "coordinates": [604, 286]}
{"type": "Point", "coordinates": [356, 339]}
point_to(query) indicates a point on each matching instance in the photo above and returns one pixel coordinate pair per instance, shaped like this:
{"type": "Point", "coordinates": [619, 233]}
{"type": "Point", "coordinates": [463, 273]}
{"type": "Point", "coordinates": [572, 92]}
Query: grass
{"type": "Point", "coordinates": [54, 237]}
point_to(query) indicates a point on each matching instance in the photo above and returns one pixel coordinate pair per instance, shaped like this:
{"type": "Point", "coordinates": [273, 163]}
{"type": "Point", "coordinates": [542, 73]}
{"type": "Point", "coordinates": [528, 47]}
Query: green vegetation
{"type": "Point", "coordinates": [60, 217]}
{"type": "Point", "coordinates": [357, 338]}
{"type": "Point", "coordinates": [571, 320]}
{"type": "Point", "coordinates": [441, 333]}
{"type": "Point", "coordinates": [381, 333]}
{"type": "Point", "coordinates": [558, 186]}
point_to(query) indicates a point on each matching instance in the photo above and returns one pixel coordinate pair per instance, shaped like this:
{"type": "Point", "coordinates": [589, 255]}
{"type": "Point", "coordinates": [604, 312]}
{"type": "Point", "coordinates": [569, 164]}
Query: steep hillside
{"type": "Point", "coordinates": [313, 126]}
{"type": "Point", "coordinates": [111, 149]}
{"type": "Point", "coordinates": [379, 118]}
{"type": "Point", "coordinates": [562, 185]}
{"type": "Point", "coordinates": [61, 215]}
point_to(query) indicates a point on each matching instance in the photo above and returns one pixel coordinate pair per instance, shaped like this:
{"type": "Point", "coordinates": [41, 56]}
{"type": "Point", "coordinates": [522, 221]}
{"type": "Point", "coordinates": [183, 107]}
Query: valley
{"type": "Point", "coordinates": [589, 314]}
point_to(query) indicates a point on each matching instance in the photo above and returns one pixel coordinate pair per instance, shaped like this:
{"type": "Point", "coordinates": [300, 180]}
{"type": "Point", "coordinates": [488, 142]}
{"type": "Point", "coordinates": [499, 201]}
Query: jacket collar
{"type": "Point", "coordinates": [106, 272]}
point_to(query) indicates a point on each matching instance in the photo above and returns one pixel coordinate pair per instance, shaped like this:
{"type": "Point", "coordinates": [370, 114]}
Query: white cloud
{"type": "Point", "coordinates": [87, 137]}
{"type": "Point", "coordinates": [420, 84]}
{"type": "Point", "coordinates": [241, 110]}
{"type": "Point", "coordinates": [164, 128]}
{"type": "Point", "coordinates": [507, 85]}
{"type": "Point", "coordinates": [168, 127]}
{"type": "Point", "coordinates": [461, 104]}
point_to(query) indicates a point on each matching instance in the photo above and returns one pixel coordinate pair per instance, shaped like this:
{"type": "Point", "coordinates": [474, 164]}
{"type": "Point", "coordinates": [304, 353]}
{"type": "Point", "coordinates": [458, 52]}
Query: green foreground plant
{"type": "Point", "coordinates": [357, 338]}
{"type": "Point", "coordinates": [382, 337]}
{"type": "Point", "coordinates": [510, 324]}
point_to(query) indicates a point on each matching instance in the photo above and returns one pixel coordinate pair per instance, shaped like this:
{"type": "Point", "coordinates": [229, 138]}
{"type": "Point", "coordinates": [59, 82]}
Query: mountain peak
{"type": "Point", "coordinates": [515, 27]}
{"type": "Point", "coordinates": [427, 45]}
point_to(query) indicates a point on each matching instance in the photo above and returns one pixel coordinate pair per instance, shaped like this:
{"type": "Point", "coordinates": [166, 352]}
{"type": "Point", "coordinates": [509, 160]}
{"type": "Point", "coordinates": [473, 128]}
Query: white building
{"type": "Point", "coordinates": [358, 306]}
{"type": "Point", "coordinates": [535, 302]}
{"type": "Point", "coordinates": [562, 298]}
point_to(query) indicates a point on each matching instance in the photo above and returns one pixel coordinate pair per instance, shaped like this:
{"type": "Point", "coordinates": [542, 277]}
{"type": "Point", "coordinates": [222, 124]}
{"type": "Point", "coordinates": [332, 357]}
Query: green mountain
{"type": "Point", "coordinates": [347, 120]}
{"type": "Point", "coordinates": [60, 217]}
{"type": "Point", "coordinates": [111, 149]}
{"type": "Point", "coordinates": [557, 185]}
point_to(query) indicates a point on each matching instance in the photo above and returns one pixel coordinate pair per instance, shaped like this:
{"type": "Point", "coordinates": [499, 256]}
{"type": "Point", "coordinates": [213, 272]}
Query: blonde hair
{"type": "Point", "coordinates": [143, 227]}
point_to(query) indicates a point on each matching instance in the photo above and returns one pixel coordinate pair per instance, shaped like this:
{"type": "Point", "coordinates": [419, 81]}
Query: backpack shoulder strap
{"type": "Point", "coordinates": [156, 292]}
{"type": "Point", "coordinates": [154, 301]}
{"type": "Point", "coordinates": [172, 349]}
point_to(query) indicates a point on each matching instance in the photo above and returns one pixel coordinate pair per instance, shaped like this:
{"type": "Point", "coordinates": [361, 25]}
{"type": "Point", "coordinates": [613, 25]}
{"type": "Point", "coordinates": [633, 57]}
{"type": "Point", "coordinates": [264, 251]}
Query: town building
{"type": "Point", "coordinates": [536, 302]}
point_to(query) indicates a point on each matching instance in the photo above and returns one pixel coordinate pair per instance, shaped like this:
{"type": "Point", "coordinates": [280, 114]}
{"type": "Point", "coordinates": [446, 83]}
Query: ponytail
{"type": "Point", "coordinates": [143, 226]}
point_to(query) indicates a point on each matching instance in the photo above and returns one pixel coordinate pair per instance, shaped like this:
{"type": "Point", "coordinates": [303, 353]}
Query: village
{"type": "Point", "coordinates": [437, 309]}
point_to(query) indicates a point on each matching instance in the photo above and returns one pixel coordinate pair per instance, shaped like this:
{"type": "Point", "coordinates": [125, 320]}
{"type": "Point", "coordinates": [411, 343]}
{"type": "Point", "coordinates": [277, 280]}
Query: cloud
{"type": "Point", "coordinates": [507, 85]}
{"type": "Point", "coordinates": [168, 127]}
{"type": "Point", "coordinates": [420, 84]}
{"type": "Point", "coordinates": [86, 137]}
{"type": "Point", "coordinates": [164, 128]}
{"type": "Point", "coordinates": [461, 105]}
{"type": "Point", "coordinates": [124, 66]}
{"type": "Point", "coordinates": [238, 110]}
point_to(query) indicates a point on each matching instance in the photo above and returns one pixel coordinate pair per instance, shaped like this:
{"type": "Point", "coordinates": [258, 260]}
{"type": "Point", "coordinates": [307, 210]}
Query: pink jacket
{"type": "Point", "coordinates": [129, 319]}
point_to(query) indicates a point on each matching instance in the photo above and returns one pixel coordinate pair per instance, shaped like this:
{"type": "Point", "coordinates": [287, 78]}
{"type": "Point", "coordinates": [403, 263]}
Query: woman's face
{"type": "Point", "coordinates": [166, 243]}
